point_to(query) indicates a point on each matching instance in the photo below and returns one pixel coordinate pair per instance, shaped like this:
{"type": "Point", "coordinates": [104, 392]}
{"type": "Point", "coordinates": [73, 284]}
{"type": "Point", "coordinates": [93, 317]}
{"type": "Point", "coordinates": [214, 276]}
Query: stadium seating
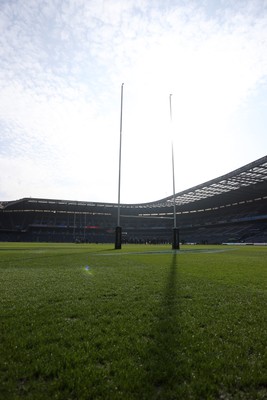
{"type": "Point", "coordinates": [230, 208]}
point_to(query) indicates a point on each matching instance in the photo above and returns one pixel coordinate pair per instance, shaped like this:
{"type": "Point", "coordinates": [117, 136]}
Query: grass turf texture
{"type": "Point", "coordinates": [142, 322]}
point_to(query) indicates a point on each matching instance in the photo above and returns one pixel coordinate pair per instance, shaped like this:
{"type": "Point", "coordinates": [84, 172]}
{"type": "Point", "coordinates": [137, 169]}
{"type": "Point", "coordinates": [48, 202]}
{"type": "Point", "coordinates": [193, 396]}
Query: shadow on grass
{"type": "Point", "coordinates": [161, 365]}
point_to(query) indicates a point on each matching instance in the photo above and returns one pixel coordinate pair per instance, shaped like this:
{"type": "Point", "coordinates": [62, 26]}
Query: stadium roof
{"type": "Point", "coordinates": [244, 184]}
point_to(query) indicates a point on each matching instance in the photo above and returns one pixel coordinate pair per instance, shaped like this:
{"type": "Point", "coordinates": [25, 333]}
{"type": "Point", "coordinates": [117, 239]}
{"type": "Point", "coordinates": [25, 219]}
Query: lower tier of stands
{"type": "Point", "coordinates": [247, 232]}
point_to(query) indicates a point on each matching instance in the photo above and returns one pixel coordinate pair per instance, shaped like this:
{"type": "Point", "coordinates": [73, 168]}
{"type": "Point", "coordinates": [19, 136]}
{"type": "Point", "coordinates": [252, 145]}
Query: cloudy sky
{"type": "Point", "coordinates": [62, 63]}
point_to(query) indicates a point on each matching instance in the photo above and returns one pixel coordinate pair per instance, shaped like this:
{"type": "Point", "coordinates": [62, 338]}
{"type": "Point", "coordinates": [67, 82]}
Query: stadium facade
{"type": "Point", "coordinates": [231, 208]}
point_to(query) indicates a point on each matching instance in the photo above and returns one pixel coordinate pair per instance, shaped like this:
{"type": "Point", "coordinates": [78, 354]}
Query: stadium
{"type": "Point", "coordinates": [85, 321]}
{"type": "Point", "coordinates": [229, 209]}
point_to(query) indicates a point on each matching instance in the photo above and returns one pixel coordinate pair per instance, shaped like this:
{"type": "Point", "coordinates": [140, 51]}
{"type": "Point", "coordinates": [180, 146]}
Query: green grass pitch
{"type": "Point", "coordinates": [143, 322]}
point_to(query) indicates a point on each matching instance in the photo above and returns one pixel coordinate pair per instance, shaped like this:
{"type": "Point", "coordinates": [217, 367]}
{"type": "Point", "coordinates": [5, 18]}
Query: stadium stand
{"type": "Point", "coordinates": [231, 208]}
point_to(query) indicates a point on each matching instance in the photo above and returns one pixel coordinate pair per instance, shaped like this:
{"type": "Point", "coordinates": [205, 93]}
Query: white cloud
{"type": "Point", "coordinates": [62, 64]}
